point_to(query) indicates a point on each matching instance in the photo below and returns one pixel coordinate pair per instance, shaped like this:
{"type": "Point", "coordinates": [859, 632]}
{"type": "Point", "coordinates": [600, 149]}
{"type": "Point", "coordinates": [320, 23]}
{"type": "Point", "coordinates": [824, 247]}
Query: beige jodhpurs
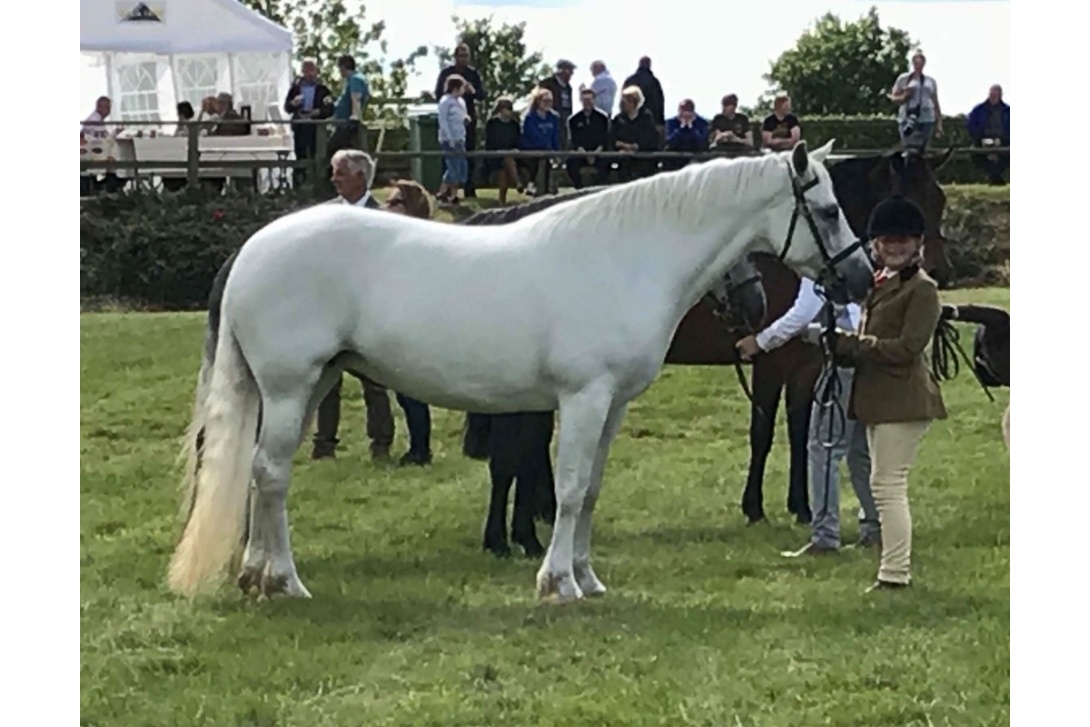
{"type": "Point", "coordinates": [893, 450]}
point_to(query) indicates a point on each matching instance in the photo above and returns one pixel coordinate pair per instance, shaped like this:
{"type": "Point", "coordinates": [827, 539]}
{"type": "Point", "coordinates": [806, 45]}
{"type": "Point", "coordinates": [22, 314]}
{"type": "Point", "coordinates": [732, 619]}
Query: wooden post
{"type": "Point", "coordinates": [193, 154]}
{"type": "Point", "coordinates": [318, 171]}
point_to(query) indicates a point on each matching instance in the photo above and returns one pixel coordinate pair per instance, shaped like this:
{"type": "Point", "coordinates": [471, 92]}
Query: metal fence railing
{"type": "Point", "coordinates": [192, 165]}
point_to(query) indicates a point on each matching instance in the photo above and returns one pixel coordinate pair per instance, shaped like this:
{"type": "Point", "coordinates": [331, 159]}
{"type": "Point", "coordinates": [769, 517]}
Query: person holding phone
{"type": "Point", "coordinates": [919, 116]}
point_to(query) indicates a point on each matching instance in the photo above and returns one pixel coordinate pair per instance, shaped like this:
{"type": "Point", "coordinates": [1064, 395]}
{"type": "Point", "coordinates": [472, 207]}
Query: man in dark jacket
{"type": "Point", "coordinates": [654, 101]}
{"type": "Point", "coordinates": [989, 125]}
{"type": "Point", "coordinates": [307, 99]}
{"type": "Point", "coordinates": [589, 131]}
{"type": "Point", "coordinates": [475, 97]}
{"type": "Point", "coordinates": [559, 85]}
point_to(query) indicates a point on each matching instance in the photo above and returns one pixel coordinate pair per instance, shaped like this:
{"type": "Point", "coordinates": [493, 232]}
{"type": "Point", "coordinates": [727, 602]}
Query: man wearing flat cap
{"type": "Point", "coordinates": [559, 84]}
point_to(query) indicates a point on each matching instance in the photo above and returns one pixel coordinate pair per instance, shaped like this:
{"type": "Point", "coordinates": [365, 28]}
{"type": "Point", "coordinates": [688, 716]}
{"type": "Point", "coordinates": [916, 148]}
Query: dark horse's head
{"type": "Point", "coordinates": [863, 182]}
{"type": "Point", "coordinates": [739, 297]}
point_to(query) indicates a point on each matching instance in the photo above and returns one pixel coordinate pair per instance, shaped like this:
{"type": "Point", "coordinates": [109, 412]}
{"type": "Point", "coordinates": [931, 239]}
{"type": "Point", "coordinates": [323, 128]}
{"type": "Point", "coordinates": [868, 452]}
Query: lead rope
{"type": "Point", "coordinates": [827, 395]}
{"type": "Point", "coordinates": [945, 344]}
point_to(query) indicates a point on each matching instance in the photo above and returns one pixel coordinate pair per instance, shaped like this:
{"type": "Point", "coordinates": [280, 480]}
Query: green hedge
{"type": "Point", "coordinates": [161, 251]}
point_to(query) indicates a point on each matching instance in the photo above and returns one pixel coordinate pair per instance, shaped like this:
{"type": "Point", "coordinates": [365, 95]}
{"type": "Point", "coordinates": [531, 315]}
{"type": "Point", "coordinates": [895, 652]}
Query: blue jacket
{"type": "Point", "coordinates": [688, 139]}
{"type": "Point", "coordinates": [978, 119]}
{"type": "Point", "coordinates": [541, 132]}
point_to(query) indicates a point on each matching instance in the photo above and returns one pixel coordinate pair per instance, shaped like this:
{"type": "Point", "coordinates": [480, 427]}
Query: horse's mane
{"type": "Point", "coordinates": [504, 215]}
{"type": "Point", "coordinates": [683, 198]}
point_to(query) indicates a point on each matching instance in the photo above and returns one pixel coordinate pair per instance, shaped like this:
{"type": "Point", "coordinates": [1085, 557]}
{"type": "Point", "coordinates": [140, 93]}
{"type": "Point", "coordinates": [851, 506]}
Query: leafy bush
{"type": "Point", "coordinates": [162, 251]}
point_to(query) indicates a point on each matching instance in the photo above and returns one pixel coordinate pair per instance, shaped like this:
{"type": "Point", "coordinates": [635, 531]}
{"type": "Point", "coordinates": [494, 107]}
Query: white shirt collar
{"type": "Point", "coordinates": [362, 201]}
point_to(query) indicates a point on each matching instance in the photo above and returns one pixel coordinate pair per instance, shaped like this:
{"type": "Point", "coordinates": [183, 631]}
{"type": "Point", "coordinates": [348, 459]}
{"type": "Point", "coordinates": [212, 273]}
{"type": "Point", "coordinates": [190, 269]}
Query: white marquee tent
{"type": "Point", "coordinates": [148, 55]}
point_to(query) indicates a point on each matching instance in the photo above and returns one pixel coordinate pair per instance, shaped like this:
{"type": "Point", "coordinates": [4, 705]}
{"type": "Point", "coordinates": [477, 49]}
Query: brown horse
{"type": "Point", "coordinates": [705, 338]}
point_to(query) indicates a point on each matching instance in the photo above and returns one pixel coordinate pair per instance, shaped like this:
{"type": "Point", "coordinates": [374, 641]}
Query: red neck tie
{"type": "Point", "coordinates": [880, 277]}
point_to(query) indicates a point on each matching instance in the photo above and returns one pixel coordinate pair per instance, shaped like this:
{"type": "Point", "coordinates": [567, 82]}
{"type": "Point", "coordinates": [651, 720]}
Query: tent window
{"type": "Point", "coordinates": [255, 82]}
{"type": "Point", "coordinates": [197, 79]}
{"type": "Point", "coordinates": [139, 92]}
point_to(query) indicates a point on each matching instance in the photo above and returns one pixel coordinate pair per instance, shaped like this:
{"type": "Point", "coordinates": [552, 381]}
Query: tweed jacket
{"type": "Point", "coordinates": [892, 382]}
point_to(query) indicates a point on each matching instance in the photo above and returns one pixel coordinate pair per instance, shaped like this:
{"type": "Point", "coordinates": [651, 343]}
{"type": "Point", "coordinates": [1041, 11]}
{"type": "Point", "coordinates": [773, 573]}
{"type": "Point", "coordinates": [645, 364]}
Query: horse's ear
{"type": "Point", "coordinates": [821, 154]}
{"type": "Point", "coordinates": [800, 159]}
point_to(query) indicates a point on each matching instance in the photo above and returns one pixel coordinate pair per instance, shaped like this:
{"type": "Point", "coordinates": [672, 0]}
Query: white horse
{"type": "Point", "coordinates": [571, 309]}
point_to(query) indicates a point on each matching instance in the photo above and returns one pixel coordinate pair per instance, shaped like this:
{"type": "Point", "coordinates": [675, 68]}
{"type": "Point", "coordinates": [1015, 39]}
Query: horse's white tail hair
{"type": "Point", "coordinates": [218, 453]}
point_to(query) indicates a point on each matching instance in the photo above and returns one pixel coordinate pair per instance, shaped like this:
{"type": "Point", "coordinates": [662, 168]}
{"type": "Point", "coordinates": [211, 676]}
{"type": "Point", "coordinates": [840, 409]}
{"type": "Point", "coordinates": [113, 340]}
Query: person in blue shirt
{"type": "Point", "coordinates": [687, 132]}
{"type": "Point", "coordinates": [349, 109]}
{"type": "Point", "coordinates": [541, 131]}
{"type": "Point", "coordinates": [989, 125]}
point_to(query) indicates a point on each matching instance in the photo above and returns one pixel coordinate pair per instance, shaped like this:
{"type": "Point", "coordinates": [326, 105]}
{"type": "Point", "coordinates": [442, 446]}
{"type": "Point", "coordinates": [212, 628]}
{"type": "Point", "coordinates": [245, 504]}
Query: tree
{"type": "Point", "coordinates": [326, 29]}
{"type": "Point", "coordinates": [841, 68]}
{"type": "Point", "coordinates": [499, 54]}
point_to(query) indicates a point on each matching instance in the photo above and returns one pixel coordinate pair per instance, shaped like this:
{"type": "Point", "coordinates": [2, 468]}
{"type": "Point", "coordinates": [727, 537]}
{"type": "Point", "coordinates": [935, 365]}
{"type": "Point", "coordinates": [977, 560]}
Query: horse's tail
{"type": "Point", "coordinates": [219, 455]}
{"type": "Point", "coordinates": [193, 441]}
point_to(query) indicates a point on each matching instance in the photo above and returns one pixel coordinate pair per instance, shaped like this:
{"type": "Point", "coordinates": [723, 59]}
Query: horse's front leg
{"type": "Point", "coordinates": [584, 574]}
{"type": "Point", "coordinates": [582, 421]}
{"type": "Point", "coordinates": [800, 393]}
{"type": "Point", "coordinates": [767, 387]}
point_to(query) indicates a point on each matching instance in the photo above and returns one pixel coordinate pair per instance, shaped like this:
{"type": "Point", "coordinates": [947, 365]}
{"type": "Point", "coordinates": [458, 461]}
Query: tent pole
{"type": "Point", "coordinates": [174, 77]}
{"type": "Point", "coordinates": [110, 78]}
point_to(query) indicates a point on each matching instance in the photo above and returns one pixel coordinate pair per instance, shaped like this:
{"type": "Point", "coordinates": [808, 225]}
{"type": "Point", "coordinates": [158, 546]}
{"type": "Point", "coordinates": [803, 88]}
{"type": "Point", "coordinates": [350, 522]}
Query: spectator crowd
{"type": "Point", "coordinates": [561, 118]}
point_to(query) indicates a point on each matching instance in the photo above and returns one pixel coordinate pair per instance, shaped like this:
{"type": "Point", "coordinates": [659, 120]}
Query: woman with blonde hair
{"type": "Point", "coordinates": [893, 392]}
{"type": "Point", "coordinates": [541, 132]}
{"type": "Point", "coordinates": [632, 130]}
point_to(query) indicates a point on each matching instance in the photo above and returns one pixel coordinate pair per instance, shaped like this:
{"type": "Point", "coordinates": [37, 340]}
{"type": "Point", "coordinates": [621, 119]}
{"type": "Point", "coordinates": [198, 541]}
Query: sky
{"type": "Point", "coordinates": [703, 49]}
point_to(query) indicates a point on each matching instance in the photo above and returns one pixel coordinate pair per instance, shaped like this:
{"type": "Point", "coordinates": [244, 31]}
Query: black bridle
{"type": "Point", "coordinates": [802, 209]}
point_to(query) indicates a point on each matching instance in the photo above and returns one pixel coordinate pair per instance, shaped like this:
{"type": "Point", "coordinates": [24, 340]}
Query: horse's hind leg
{"type": "Point", "coordinates": [584, 574]}
{"type": "Point", "coordinates": [268, 563]}
{"type": "Point", "coordinates": [523, 531]}
{"type": "Point", "coordinates": [495, 530]}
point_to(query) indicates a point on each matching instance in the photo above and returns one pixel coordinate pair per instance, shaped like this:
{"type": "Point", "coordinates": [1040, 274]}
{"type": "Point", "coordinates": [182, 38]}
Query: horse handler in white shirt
{"type": "Point", "coordinates": [832, 435]}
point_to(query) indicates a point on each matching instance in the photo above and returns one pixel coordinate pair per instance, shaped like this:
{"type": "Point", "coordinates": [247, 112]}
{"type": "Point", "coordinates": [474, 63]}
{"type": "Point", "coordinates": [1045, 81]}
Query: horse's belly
{"type": "Point", "coordinates": [458, 373]}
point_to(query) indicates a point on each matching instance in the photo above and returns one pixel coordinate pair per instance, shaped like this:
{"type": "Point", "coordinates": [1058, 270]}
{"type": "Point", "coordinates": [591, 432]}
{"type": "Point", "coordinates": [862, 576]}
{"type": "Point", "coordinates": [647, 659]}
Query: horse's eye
{"type": "Point", "coordinates": [832, 214]}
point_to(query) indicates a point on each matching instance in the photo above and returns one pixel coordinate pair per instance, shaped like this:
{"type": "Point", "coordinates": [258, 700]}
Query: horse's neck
{"type": "Point", "coordinates": [691, 226]}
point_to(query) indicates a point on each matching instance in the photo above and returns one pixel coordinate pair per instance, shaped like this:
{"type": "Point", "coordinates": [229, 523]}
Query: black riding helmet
{"type": "Point", "coordinates": [896, 216]}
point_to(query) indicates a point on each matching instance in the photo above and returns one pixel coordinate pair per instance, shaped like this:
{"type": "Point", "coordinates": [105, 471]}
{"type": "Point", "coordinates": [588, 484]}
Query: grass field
{"type": "Point", "coordinates": [411, 624]}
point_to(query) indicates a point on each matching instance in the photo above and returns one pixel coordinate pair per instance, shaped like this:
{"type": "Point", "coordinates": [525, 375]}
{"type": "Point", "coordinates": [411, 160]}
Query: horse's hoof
{"type": "Point", "coordinates": [497, 546]}
{"type": "Point", "coordinates": [532, 548]}
{"type": "Point", "coordinates": [754, 519]}
{"type": "Point", "coordinates": [589, 583]}
{"type": "Point", "coordinates": [560, 585]}
{"type": "Point", "coordinates": [248, 580]}
{"type": "Point", "coordinates": [283, 584]}
{"type": "Point", "coordinates": [500, 550]}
